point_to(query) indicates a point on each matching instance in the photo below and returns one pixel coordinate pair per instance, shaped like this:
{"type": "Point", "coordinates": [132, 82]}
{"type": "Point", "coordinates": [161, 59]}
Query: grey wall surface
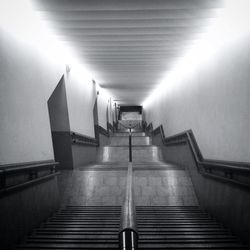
{"type": "Point", "coordinates": [28, 77]}
{"type": "Point", "coordinates": [27, 80]}
{"type": "Point", "coordinates": [213, 101]}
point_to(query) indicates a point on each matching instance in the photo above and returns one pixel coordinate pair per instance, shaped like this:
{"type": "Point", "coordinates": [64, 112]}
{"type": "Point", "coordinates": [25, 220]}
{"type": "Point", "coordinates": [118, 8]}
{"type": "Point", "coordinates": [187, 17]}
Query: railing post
{"type": "Point", "coordinates": [128, 238]}
{"type": "Point", "coordinates": [130, 145]}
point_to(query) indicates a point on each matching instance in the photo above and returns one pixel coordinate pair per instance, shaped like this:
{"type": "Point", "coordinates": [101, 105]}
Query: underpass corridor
{"type": "Point", "coordinates": [124, 124]}
{"type": "Point", "coordinates": [168, 215]}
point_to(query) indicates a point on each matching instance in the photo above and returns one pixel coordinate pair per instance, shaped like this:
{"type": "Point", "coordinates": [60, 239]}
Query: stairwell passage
{"type": "Point", "coordinates": [153, 224]}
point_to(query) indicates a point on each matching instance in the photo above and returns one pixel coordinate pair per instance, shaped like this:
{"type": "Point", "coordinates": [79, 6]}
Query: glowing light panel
{"type": "Point", "coordinates": [231, 25]}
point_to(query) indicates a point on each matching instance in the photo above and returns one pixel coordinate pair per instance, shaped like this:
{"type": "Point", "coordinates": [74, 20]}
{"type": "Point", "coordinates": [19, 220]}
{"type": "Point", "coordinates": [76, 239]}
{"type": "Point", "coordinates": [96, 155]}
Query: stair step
{"type": "Point", "coordinates": [77, 224]}
{"type": "Point", "coordinates": [163, 230]}
{"type": "Point", "coordinates": [55, 229]}
{"type": "Point", "coordinates": [88, 233]}
{"type": "Point", "coordinates": [165, 226]}
{"type": "Point", "coordinates": [221, 246]}
{"type": "Point", "coordinates": [186, 236]}
{"type": "Point", "coordinates": [159, 227]}
{"type": "Point", "coordinates": [75, 241]}
{"type": "Point", "coordinates": [57, 236]}
{"type": "Point", "coordinates": [175, 227]}
{"type": "Point", "coordinates": [78, 227]}
{"type": "Point", "coordinates": [65, 246]}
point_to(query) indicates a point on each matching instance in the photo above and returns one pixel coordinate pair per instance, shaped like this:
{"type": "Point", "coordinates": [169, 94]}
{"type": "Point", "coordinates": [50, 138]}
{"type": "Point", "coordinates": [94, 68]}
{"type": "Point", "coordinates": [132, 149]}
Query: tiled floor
{"type": "Point", "coordinates": [104, 184]}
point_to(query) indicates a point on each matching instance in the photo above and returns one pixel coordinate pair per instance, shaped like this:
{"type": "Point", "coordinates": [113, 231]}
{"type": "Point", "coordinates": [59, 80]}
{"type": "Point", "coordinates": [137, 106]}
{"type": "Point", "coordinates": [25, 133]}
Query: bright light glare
{"type": "Point", "coordinates": [231, 24]}
{"type": "Point", "coordinates": [105, 94]}
{"type": "Point", "coordinates": [20, 19]}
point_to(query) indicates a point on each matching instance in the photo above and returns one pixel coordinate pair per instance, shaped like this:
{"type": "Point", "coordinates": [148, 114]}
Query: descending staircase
{"type": "Point", "coordinates": [183, 227]}
{"type": "Point", "coordinates": [78, 227]}
{"type": "Point", "coordinates": [158, 227]}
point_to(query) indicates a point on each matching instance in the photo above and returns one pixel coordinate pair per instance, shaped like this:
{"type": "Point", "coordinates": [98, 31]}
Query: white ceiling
{"type": "Point", "coordinates": [130, 44]}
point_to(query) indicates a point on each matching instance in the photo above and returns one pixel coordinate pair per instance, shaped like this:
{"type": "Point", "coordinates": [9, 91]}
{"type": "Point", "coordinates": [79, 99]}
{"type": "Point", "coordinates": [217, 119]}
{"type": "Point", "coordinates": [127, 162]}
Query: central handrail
{"type": "Point", "coordinates": [128, 235]}
{"type": "Point", "coordinates": [130, 140]}
{"type": "Point", "coordinates": [130, 145]}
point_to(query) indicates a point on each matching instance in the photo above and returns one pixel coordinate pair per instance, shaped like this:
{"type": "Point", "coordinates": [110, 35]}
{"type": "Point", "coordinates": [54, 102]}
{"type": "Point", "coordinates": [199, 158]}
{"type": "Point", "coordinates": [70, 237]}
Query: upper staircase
{"type": "Point", "coordinates": [142, 148]}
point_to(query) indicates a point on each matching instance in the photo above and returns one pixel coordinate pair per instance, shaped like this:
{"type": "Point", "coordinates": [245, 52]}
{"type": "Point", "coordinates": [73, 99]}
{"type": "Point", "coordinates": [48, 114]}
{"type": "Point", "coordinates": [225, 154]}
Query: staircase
{"type": "Point", "coordinates": [78, 227]}
{"type": "Point", "coordinates": [183, 227]}
{"type": "Point", "coordinates": [158, 227]}
{"type": "Point", "coordinates": [117, 150]}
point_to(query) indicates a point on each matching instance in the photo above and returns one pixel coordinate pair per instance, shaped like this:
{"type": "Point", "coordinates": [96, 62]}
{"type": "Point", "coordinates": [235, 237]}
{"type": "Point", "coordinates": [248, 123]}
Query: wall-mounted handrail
{"type": "Point", "coordinates": [33, 172]}
{"type": "Point", "coordinates": [128, 236]}
{"type": "Point", "coordinates": [81, 139]}
{"type": "Point", "coordinates": [19, 167]}
{"type": "Point", "coordinates": [237, 173]}
{"type": "Point", "coordinates": [27, 183]}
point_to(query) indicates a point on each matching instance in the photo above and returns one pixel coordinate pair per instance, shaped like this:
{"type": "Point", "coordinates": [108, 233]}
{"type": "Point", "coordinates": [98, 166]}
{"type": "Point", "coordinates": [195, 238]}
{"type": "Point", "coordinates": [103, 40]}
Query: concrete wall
{"type": "Point", "coordinates": [27, 80]}
{"type": "Point", "coordinates": [103, 103]}
{"type": "Point", "coordinates": [25, 209]}
{"type": "Point", "coordinates": [213, 101]}
{"type": "Point", "coordinates": [80, 97]}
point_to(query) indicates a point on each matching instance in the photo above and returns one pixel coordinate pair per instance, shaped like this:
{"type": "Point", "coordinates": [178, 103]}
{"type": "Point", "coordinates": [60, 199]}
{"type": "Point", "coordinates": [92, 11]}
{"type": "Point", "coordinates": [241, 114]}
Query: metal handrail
{"type": "Point", "coordinates": [128, 236]}
{"type": "Point", "coordinates": [232, 172]}
{"type": "Point", "coordinates": [31, 171]}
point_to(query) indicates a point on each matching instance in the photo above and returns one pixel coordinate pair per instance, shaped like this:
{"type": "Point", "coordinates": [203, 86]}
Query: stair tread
{"type": "Point", "coordinates": [193, 246]}
{"type": "Point", "coordinates": [176, 227]}
{"type": "Point", "coordinates": [78, 227]}
{"type": "Point", "coordinates": [67, 245]}
{"type": "Point", "coordinates": [159, 227]}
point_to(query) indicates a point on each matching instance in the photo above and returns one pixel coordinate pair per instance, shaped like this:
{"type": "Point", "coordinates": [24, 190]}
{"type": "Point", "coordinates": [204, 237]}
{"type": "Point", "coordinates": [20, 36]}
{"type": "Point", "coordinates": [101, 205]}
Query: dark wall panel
{"type": "Point", "coordinates": [58, 109]}
{"type": "Point", "coordinates": [83, 155]}
{"type": "Point", "coordinates": [62, 149]}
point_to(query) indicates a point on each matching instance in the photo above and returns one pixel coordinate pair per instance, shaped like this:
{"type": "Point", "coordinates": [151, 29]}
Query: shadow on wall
{"type": "Point", "coordinates": [59, 124]}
